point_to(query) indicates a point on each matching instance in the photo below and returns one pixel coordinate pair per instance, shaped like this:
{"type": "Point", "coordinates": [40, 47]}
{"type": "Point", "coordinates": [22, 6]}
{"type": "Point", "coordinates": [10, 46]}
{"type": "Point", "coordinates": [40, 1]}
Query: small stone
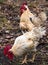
{"type": "Point", "coordinates": [8, 21]}
{"type": "Point", "coordinates": [7, 31]}
{"type": "Point", "coordinates": [12, 39]}
{"type": "Point", "coordinates": [46, 53]}
{"type": "Point", "coordinates": [0, 40]}
{"type": "Point", "coordinates": [8, 37]}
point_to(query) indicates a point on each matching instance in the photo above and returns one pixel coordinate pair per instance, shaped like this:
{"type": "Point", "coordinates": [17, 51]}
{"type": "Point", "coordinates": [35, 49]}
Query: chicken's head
{"type": "Point", "coordinates": [23, 7]}
{"type": "Point", "coordinates": [8, 53]}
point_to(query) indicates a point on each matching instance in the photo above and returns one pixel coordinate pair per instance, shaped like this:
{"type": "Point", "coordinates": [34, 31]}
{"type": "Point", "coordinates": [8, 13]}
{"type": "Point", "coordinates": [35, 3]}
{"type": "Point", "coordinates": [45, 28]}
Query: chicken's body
{"type": "Point", "coordinates": [27, 41]}
{"type": "Point", "coordinates": [25, 22]}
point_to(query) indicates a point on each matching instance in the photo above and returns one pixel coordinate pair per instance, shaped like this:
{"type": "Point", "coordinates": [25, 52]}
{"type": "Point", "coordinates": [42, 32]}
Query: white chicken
{"type": "Point", "coordinates": [25, 42]}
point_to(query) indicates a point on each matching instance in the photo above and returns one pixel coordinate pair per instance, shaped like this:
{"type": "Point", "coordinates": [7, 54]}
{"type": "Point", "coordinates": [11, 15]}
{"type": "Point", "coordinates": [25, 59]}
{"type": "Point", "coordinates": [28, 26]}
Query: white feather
{"type": "Point", "coordinates": [27, 41]}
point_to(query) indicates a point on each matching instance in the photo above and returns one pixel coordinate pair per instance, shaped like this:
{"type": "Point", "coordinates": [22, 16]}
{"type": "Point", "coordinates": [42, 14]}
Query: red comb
{"type": "Point", "coordinates": [23, 7]}
{"type": "Point", "coordinates": [6, 49]}
{"type": "Point", "coordinates": [7, 52]}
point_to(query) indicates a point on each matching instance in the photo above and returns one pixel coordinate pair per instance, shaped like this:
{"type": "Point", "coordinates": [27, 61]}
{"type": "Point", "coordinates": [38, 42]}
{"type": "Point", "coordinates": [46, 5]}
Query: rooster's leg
{"type": "Point", "coordinates": [25, 60]}
{"type": "Point", "coordinates": [33, 58]}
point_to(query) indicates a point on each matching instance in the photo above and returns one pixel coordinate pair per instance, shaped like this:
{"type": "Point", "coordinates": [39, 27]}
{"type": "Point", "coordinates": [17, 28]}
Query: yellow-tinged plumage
{"type": "Point", "coordinates": [27, 40]}
{"type": "Point", "coordinates": [36, 21]}
{"type": "Point", "coordinates": [25, 22]}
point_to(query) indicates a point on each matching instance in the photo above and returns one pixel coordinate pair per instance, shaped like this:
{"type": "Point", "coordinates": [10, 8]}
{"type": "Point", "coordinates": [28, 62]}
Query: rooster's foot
{"type": "Point", "coordinates": [32, 60]}
{"type": "Point", "coordinates": [25, 60]}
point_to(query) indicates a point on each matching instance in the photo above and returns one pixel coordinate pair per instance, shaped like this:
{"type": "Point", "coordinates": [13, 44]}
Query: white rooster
{"type": "Point", "coordinates": [25, 42]}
